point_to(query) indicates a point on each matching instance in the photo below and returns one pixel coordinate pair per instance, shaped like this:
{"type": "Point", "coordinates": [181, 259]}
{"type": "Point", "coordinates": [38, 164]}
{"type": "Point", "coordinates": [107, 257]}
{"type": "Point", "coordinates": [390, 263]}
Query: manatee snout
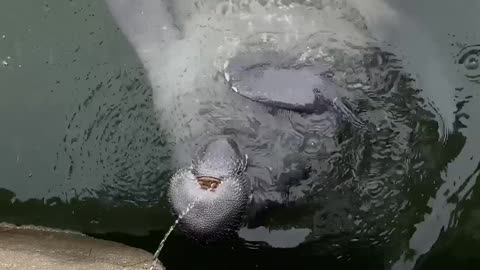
{"type": "Point", "coordinates": [215, 189]}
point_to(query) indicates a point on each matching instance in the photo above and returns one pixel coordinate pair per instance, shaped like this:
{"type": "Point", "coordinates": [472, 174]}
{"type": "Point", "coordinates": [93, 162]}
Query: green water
{"type": "Point", "coordinates": [80, 147]}
{"type": "Point", "coordinates": [54, 70]}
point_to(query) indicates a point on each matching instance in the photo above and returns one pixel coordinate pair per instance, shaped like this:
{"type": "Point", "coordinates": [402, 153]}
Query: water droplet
{"type": "Point", "coordinates": [5, 63]}
{"type": "Point", "coordinates": [472, 62]}
{"type": "Point", "coordinates": [30, 175]}
{"type": "Point", "coordinates": [3, 36]}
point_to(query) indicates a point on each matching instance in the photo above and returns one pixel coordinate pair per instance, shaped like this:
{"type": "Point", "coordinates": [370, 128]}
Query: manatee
{"type": "Point", "coordinates": [305, 59]}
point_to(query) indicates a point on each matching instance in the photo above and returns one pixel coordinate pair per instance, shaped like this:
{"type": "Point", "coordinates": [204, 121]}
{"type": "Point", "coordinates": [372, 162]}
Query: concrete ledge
{"type": "Point", "coordinates": [40, 248]}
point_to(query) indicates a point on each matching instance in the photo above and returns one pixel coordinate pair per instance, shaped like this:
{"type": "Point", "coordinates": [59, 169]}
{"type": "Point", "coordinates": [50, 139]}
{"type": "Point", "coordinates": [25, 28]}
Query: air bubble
{"type": "Point", "coordinates": [312, 144]}
{"type": "Point", "coordinates": [471, 63]}
{"type": "Point", "coordinates": [469, 58]}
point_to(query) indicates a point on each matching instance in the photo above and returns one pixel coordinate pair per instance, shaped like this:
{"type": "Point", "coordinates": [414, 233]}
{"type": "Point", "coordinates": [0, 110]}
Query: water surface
{"type": "Point", "coordinates": [80, 147]}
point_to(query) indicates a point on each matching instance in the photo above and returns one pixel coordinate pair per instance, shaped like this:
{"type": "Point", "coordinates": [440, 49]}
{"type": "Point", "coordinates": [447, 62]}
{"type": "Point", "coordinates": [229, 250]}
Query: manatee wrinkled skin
{"type": "Point", "coordinates": [216, 212]}
{"type": "Point", "coordinates": [221, 158]}
{"type": "Point", "coordinates": [306, 169]}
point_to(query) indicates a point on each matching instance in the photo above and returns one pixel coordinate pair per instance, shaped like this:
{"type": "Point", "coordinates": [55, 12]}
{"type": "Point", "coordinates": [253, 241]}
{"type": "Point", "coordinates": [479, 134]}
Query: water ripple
{"type": "Point", "coordinates": [469, 60]}
{"type": "Point", "coordinates": [114, 143]}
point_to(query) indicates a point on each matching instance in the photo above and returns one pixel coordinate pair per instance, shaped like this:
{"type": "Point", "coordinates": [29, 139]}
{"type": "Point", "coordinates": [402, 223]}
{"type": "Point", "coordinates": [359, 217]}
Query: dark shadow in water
{"type": "Point", "coordinates": [88, 215]}
{"type": "Point", "coordinates": [458, 248]}
{"type": "Point", "coordinates": [181, 253]}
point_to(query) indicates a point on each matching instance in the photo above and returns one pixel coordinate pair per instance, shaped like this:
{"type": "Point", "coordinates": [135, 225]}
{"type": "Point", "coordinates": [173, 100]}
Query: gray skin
{"type": "Point", "coordinates": [221, 158]}
{"type": "Point", "coordinates": [217, 212]}
{"type": "Point", "coordinates": [273, 79]}
{"type": "Point", "coordinates": [302, 88]}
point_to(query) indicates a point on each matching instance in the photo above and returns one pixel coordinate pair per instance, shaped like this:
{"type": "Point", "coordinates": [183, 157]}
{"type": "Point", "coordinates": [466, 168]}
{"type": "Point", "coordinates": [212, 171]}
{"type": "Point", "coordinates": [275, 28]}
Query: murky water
{"type": "Point", "coordinates": [81, 148]}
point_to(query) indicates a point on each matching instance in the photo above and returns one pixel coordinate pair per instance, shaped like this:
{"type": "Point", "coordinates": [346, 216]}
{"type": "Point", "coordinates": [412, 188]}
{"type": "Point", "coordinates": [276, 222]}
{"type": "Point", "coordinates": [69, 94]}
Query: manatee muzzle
{"type": "Point", "coordinates": [214, 189]}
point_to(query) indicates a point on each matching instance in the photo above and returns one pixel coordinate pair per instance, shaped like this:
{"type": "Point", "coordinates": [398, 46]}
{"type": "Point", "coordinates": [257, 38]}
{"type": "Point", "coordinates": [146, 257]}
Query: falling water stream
{"type": "Point", "coordinates": [170, 230]}
{"type": "Point", "coordinates": [155, 260]}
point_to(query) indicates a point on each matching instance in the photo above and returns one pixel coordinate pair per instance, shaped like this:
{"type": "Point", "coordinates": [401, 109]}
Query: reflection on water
{"type": "Point", "coordinates": [402, 191]}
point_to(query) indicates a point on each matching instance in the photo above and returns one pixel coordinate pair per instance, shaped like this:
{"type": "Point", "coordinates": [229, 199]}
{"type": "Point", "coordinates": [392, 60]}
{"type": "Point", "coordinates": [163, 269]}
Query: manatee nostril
{"type": "Point", "coordinates": [208, 183]}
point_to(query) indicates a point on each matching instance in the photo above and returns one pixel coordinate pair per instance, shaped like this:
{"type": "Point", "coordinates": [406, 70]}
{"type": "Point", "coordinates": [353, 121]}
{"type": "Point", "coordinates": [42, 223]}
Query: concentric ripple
{"type": "Point", "coordinates": [113, 143]}
{"type": "Point", "coordinates": [469, 59]}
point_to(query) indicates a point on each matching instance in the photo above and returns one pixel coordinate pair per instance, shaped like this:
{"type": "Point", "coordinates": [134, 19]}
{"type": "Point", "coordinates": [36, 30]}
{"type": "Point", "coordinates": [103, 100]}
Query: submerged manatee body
{"type": "Point", "coordinates": [337, 182]}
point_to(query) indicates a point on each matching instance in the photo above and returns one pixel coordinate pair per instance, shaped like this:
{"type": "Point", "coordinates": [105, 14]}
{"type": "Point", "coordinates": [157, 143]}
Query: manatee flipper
{"type": "Point", "coordinates": [301, 88]}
